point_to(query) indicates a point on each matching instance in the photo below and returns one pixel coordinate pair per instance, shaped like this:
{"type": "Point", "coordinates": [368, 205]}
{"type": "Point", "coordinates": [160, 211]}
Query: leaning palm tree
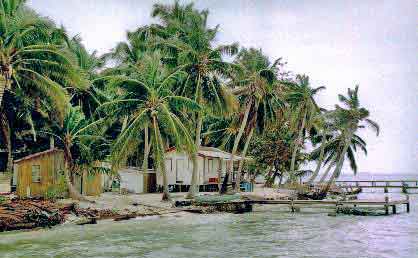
{"type": "Point", "coordinates": [349, 119]}
{"type": "Point", "coordinates": [148, 101]}
{"type": "Point", "coordinates": [33, 59]}
{"type": "Point", "coordinates": [185, 34]}
{"type": "Point", "coordinates": [333, 149]}
{"type": "Point", "coordinates": [325, 128]}
{"type": "Point", "coordinates": [29, 57]}
{"type": "Point", "coordinates": [255, 87]}
{"type": "Point", "coordinates": [303, 108]}
{"type": "Point", "coordinates": [75, 134]}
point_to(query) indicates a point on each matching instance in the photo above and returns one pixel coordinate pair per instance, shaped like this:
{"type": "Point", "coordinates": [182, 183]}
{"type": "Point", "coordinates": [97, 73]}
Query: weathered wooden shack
{"type": "Point", "coordinates": [35, 174]}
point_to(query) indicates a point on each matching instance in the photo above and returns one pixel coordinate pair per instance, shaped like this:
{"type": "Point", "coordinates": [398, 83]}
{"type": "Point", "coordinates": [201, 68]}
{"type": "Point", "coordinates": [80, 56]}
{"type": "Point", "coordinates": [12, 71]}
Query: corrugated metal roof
{"type": "Point", "coordinates": [38, 154]}
{"type": "Point", "coordinates": [213, 152]}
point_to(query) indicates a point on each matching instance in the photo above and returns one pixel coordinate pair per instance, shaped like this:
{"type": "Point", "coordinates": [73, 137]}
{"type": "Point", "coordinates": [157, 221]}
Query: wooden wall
{"type": "Point", "coordinates": [92, 184]}
{"type": "Point", "coordinates": [50, 164]}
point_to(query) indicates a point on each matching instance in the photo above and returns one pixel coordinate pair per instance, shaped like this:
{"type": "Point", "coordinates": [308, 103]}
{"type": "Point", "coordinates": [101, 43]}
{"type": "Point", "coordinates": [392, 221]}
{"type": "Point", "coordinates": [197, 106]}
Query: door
{"type": "Point", "coordinates": [180, 170]}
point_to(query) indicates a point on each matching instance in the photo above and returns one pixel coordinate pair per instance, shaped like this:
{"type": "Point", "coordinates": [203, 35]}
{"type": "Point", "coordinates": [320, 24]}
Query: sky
{"type": "Point", "coordinates": [337, 43]}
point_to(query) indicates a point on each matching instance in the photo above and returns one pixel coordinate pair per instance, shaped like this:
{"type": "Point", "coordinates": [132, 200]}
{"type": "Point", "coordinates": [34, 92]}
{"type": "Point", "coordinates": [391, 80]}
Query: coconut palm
{"type": "Point", "coordinates": [188, 39]}
{"type": "Point", "coordinates": [256, 91]}
{"type": "Point", "coordinates": [303, 109]}
{"type": "Point", "coordinates": [34, 60]}
{"type": "Point", "coordinates": [323, 125]}
{"type": "Point", "coordinates": [76, 135]}
{"type": "Point", "coordinates": [349, 119]}
{"type": "Point", "coordinates": [332, 150]}
{"type": "Point", "coordinates": [147, 101]}
{"type": "Point", "coordinates": [27, 57]}
{"type": "Point", "coordinates": [90, 64]}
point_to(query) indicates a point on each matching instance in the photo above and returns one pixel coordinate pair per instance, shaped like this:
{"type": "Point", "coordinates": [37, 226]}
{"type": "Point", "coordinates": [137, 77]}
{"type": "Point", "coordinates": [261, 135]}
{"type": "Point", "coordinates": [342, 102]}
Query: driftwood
{"type": "Point", "coordinates": [124, 217]}
{"type": "Point", "coordinates": [25, 214]}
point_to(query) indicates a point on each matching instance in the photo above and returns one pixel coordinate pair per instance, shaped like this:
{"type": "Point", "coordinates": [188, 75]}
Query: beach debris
{"type": "Point", "coordinates": [31, 213]}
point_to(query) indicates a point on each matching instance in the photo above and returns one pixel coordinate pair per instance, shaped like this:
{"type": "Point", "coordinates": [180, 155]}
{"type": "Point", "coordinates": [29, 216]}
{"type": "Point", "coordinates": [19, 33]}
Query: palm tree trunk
{"type": "Point", "coordinates": [3, 85]}
{"type": "Point", "coordinates": [146, 150]}
{"type": "Point", "coordinates": [295, 149]}
{"type": "Point", "coordinates": [339, 165]}
{"type": "Point", "coordinates": [160, 158]}
{"type": "Point", "coordinates": [324, 176]}
{"type": "Point", "coordinates": [74, 194]}
{"type": "Point", "coordinates": [241, 162]}
{"type": "Point", "coordinates": [7, 135]}
{"type": "Point", "coordinates": [321, 157]}
{"type": "Point", "coordinates": [235, 147]}
{"type": "Point", "coordinates": [194, 189]}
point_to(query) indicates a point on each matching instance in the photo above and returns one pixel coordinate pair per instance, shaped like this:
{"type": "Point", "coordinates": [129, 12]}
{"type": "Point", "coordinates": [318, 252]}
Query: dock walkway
{"type": "Point", "coordinates": [384, 204]}
{"type": "Point", "coordinates": [385, 184]}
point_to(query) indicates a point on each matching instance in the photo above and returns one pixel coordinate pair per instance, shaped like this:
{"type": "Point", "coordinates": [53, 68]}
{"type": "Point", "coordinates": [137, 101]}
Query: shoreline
{"type": "Point", "coordinates": [30, 214]}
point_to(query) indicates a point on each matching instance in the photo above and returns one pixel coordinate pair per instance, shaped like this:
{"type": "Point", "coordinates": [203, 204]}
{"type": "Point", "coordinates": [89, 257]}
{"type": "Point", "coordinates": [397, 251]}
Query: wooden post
{"type": "Point", "coordinates": [292, 207]}
{"type": "Point", "coordinates": [407, 204]}
{"type": "Point", "coordinates": [394, 209]}
{"type": "Point", "coordinates": [386, 205]}
{"type": "Point", "coordinates": [386, 188]}
{"type": "Point", "coordinates": [220, 161]}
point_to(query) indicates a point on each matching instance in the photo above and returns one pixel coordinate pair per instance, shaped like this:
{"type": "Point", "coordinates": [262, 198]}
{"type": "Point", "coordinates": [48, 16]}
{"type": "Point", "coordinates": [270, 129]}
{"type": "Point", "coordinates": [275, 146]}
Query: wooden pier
{"type": "Point", "coordinates": [385, 204]}
{"type": "Point", "coordinates": [385, 184]}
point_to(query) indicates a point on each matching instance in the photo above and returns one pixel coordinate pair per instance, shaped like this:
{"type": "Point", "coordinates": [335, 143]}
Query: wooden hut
{"type": "Point", "coordinates": [36, 173]}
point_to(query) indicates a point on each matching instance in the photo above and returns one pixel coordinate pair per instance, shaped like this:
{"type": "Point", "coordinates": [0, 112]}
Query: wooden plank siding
{"type": "Point", "coordinates": [51, 164]}
{"type": "Point", "coordinates": [92, 184]}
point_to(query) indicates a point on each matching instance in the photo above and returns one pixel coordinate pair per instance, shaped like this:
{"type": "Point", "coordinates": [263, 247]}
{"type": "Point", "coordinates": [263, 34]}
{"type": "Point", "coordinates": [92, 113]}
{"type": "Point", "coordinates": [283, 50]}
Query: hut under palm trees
{"type": "Point", "coordinates": [40, 174]}
{"type": "Point", "coordinates": [212, 166]}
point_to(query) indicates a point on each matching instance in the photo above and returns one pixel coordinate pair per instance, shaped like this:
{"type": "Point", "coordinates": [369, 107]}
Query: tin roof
{"type": "Point", "coordinates": [212, 152]}
{"type": "Point", "coordinates": [38, 154]}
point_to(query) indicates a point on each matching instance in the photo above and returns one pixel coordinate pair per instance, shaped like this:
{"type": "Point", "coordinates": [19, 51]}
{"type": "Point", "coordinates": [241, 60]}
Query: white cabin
{"type": "Point", "coordinates": [212, 164]}
{"type": "Point", "coordinates": [134, 180]}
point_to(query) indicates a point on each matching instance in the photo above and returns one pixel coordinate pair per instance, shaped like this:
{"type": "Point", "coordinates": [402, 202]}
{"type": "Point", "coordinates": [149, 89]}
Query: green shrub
{"type": "Point", "coordinates": [58, 190]}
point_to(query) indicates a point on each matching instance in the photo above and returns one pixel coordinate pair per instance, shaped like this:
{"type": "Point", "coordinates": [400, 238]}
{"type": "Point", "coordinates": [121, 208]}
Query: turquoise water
{"type": "Point", "coordinates": [269, 231]}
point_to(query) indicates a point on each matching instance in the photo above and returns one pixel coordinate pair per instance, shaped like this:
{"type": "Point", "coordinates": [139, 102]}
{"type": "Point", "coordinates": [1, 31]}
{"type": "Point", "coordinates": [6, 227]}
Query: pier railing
{"type": "Point", "coordinates": [404, 184]}
{"type": "Point", "coordinates": [386, 203]}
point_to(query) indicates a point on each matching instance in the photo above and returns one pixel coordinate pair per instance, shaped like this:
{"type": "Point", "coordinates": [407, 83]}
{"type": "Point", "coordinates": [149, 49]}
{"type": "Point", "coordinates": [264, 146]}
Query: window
{"type": "Point", "coordinates": [36, 173]}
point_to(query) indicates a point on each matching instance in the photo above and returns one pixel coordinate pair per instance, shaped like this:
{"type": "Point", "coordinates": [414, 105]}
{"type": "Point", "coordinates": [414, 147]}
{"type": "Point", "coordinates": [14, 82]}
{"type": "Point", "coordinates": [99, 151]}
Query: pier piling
{"type": "Point", "coordinates": [386, 205]}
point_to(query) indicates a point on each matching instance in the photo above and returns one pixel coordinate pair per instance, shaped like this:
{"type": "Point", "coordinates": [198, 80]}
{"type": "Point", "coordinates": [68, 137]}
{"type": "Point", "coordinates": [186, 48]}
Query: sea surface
{"type": "Point", "coordinates": [269, 231]}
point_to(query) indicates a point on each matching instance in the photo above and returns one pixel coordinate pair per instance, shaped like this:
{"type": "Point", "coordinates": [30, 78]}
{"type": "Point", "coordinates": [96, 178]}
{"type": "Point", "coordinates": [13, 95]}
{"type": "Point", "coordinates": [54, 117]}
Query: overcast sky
{"type": "Point", "coordinates": [337, 43]}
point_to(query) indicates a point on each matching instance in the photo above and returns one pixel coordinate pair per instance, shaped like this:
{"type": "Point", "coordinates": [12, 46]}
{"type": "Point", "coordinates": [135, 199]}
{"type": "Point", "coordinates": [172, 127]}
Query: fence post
{"type": "Point", "coordinates": [407, 204]}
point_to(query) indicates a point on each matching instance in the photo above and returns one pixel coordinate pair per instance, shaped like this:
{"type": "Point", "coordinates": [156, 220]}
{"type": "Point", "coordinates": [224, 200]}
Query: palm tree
{"type": "Point", "coordinates": [303, 108]}
{"type": "Point", "coordinates": [186, 36]}
{"type": "Point", "coordinates": [27, 57]}
{"type": "Point", "coordinates": [147, 101]}
{"type": "Point", "coordinates": [90, 65]}
{"type": "Point", "coordinates": [349, 119]}
{"type": "Point", "coordinates": [256, 91]}
{"type": "Point", "coordinates": [33, 59]}
{"type": "Point", "coordinates": [333, 149]}
{"type": "Point", "coordinates": [324, 126]}
{"type": "Point", "coordinates": [75, 134]}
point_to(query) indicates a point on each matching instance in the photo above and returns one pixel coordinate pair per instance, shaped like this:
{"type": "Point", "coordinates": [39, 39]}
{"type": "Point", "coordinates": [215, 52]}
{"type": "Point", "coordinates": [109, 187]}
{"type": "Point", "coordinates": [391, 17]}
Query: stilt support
{"type": "Point", "coordinates": [386, 205]}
